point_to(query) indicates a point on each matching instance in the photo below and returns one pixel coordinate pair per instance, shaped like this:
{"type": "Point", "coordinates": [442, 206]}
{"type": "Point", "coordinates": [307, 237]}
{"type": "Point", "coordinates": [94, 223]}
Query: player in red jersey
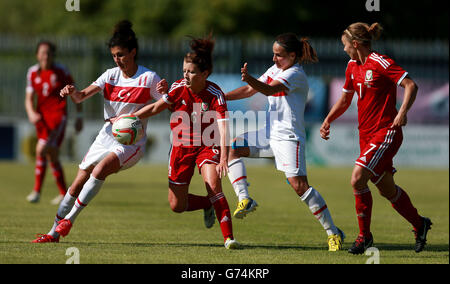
{"type": "Point", "coordinates": [198, 114]}
{"type": "Point", "coordinates": [374, 78]}
{"type": "Point", "coordinates": [49, 115]}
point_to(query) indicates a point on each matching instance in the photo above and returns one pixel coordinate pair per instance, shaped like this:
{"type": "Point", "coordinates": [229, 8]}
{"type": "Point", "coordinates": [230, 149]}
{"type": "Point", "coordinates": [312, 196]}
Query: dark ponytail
{"type": "Point", "coordinates": [201, 53]}
{"type": "Point", "coordinates": [124, 36]}
{"type": "Point", "coordinates": [303, 50]}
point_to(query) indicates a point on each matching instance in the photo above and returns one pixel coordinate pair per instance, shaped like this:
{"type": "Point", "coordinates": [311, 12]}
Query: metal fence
{"type": "Point", "coordinates": [87, 59]}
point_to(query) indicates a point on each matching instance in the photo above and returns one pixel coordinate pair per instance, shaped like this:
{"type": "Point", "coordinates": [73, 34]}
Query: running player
{"type": "Point", "coordinates": [286, 86]}
{"type": "Point", "coordinates": [49, 115]}
{"type": "Point", "coordinates": [199, 126]}
{"type": "Point", "coordinates": [126, 88]}
{"type": "Point", "coordinates": [374, 78]}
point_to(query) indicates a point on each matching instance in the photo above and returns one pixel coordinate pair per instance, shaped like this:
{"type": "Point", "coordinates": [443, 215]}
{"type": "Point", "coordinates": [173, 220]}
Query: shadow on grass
{"type": "Point", "coordinates": [380, 246]}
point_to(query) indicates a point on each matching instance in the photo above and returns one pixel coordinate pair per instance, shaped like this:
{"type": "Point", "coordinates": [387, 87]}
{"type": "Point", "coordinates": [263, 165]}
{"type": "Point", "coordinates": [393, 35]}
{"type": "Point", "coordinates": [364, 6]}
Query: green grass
{"type": "Point", "coordinates": [130, 220]}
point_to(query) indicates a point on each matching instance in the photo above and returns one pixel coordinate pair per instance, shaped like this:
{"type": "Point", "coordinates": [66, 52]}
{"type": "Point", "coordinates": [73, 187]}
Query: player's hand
{"type": "Point", "coordinates": [325, 130]}
{"type": "Point", "coordinates": [244, 73]}
{"type": "Point", "coordinates": [162, 87]}
{"type": "Point", "coordinates": [222, 169]}
{"type": "Point", "coordinates": [68, 90]}
{"type": "Point", "coordinates": [34, 117]}
{"type": "Point", "coordinates": [400, 120]}
{"type": "Point", "coordinates": [113, 119]}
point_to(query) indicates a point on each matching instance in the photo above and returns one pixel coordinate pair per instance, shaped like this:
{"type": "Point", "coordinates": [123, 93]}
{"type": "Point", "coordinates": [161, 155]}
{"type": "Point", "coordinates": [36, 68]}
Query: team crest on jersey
{"type": "Point", "coordinates": [205, 106]}
{"type": "Point", "coordinates": [369, 75]}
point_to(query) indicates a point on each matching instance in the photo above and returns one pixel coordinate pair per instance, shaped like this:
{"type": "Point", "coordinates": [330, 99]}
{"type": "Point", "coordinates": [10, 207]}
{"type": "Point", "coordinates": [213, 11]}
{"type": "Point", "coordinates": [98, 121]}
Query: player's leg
{"type": "Point", "coordinates": [39, 170]}
{"type": "Point", "coordinates": [254, 144]}
{"type": "Point", "coordinates": [363, 206]}
{"type": "Point", "coordinates": [214, 188]}
{"type": "Point", "coordinates": [402, 204]}
{"type": "Point", "coordinates": [66, 205]}
{"type": "Point", "coordinates": [109, 165]}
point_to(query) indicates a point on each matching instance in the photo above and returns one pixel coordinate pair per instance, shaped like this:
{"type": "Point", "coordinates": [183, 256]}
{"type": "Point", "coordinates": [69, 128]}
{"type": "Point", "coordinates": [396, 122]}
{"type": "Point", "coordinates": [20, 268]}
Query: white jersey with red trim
{"type": "Point", "coordinates": [127, 95]}
{"type": "Point", "coordinates": [285, 114]}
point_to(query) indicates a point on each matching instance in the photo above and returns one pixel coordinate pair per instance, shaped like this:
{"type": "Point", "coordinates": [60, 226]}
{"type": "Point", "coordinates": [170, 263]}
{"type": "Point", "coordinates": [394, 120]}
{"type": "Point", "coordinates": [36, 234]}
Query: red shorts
{"type": "Point", "coordinates": [51, 129]}
{"type": "Point", "coordinates": [182, 162]}
{"type": "Point", "coordinates": [378, 151]}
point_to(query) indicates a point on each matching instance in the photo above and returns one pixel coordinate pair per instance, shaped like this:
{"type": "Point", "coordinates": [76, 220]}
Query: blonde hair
{"type": "Point", "coordinates": [363, 33]}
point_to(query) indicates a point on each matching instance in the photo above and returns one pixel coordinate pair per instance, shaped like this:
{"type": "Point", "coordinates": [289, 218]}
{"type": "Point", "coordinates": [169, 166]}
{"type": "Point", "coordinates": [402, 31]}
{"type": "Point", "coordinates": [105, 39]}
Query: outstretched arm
{"type": "Point", "coordinates": [79, 96]}
{"type": "Point", "coordinates": [336, 111]}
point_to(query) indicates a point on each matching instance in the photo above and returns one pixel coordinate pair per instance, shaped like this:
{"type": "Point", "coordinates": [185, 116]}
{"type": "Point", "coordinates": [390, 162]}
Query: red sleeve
{"type": "Point", "coordinates": [394, 72]}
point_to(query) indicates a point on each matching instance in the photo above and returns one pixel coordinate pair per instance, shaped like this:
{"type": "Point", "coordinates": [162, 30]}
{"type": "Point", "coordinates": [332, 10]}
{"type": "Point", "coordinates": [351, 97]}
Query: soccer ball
{"type": "Point", "coordinates": [127, 129]}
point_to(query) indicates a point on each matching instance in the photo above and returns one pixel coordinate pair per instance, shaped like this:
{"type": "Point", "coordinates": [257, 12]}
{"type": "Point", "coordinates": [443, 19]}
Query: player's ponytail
{"type": "Point", "coordinates": [124, 36]}
{"type": "Point", "coordinates": [363, 33]}
{"type": "Point", "coordinates": [201, 53]}
{"type": "Point", "coordinates": [304, 52]}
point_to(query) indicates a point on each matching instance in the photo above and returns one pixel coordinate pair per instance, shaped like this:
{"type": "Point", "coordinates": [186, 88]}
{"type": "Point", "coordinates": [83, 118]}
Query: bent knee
{"type": "Point", "coordinates": [177, 207]}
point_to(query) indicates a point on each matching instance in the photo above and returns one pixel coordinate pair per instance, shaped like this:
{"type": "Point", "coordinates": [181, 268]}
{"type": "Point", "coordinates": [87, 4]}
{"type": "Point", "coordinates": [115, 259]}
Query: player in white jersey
{"type": "Point", "coordinates": [126, 89]}
{"type": "Point", "coordinates": [283, 138]}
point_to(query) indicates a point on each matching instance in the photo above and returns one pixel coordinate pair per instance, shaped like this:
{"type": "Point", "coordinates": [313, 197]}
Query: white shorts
{"type": "Point", "coordinates": [105, 143]}
{"type": "Point", "coordinates": [289, 155]}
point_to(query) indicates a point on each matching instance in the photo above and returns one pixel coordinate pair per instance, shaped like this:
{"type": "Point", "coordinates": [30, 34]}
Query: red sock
{"type": "Point", "coordinates": [39, 173]}
{"type": "Point", "coordinates": [223, 214]}
{"type": "Point", "coordinates": [196, 202]}
{"type": "Point", "coordinates": [363, 205]}
{"type": "Point", "coordinates": [58, 174]}
{"type": "Point", "coordinates": [402, 204]}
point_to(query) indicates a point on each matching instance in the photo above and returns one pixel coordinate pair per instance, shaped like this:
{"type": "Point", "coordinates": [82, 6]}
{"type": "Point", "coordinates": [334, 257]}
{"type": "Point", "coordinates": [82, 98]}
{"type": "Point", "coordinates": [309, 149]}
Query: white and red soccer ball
{"type": "Point", "coordinates": [127, 129]}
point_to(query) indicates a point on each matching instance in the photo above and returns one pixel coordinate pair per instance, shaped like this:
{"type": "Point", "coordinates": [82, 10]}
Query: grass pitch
{"type": "Point", "coordinates": [130, 221]}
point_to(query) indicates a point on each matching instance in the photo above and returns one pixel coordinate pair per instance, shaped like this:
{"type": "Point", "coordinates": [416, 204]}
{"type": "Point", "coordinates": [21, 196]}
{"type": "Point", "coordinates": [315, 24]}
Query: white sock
{"type": "Point", "coordinates": [64, 208]}
{"type": "Point", "coordinates": [318, 207]}
{"type": "Point", "coordinates": [238, 178]}
{"type": "Point", "coordinates": [89, 191]}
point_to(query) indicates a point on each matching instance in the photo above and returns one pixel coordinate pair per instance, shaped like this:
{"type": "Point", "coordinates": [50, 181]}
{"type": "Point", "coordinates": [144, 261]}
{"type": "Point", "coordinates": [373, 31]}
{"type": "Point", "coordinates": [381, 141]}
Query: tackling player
{"type": "Point", "coordinates": [374, 78]}
{"type": "Point", "coordinates": [198, 107]}
{"type": "Point", "coordinates": [286, 86]}
{"type": "Point", "coordinates": [49, 116]}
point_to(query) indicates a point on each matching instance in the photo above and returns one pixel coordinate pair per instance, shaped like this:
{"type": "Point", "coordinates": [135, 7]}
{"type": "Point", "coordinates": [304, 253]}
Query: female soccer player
{"type": "Point", "coordinates": [374, 78]}
{"type": "Point", "coordinates": [286, 86]}
{"type": "Point", "coordinates": [199, 125]}
{"type": "Point", "coordinates": [126, 88]}
{"type": "Point", "coordinates": [49, 115]}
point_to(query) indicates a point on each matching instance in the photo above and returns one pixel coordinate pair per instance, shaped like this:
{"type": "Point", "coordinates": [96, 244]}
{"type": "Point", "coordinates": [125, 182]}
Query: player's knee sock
{"type": "Point", "coordinates": [89, 191]}
{"type": "Point", "coordinates": [318, 207]}
{"type": "Point", "coordinates": [223, 214]}
{"type": "Point", "coordinates": [403, 205]}
{"type": "Point", "coordinates": [39, 173]}
{"type": "Point", "coordinates": [238, 178]}
{"type": "Point", "coordinates": [64, 208]}
{"type": "Point", "coordinates": [58, 174]}
{"type": "Point", "coordinates": [363, 206]}
{"type": "Point", "coordinates": [196, 202]}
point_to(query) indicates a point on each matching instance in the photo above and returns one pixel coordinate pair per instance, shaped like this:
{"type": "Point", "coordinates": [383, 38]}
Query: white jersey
{"type": "Point", "coordinates": [285, 115]}
{"type": "Point", "coordinates": [127, 95]}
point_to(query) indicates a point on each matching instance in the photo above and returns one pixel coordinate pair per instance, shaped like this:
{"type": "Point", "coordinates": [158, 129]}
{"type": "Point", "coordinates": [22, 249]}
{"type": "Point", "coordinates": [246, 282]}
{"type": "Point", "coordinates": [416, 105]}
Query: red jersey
{"type": "Point", "coordinates": [375, 83]}
{"type": "Point", "coordinates": [194, 121]}
{"type": "Point", "coordinates": [47, 84]}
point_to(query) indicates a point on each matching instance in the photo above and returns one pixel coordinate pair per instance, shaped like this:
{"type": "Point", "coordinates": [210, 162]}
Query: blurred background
{"type": "Point", "coordinates": [415, 36]}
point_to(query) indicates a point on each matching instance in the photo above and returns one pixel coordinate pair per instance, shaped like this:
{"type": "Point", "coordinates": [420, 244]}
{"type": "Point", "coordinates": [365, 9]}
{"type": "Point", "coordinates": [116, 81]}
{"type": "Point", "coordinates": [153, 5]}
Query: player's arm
{"type": "Point", "coordinates": [33, 115]}
{"type": "Point", "coordinates": [222, 167]}
{"type": "Point", "coordinates": [152, 109]}
{"type": "Point", "coordinates": [336, 111]}
{"type": "Point", "coordinates": [266, 89]}
{"type": "Point", "coordinates": [408, 100]}
{"type": "Point", "coordinates": [79, 96]}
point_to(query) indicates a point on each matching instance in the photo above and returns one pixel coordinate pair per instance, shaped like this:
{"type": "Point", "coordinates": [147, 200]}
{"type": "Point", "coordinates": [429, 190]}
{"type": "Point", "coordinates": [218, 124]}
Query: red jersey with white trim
{"type": "Point", "coordinates": [46, 84]}
{"type": "Point", "coordinates": [375, 83]}
{"type": "Point", "coordinates": [127, 95]}
{"type": "Point", "coordinates": [196, 115]}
